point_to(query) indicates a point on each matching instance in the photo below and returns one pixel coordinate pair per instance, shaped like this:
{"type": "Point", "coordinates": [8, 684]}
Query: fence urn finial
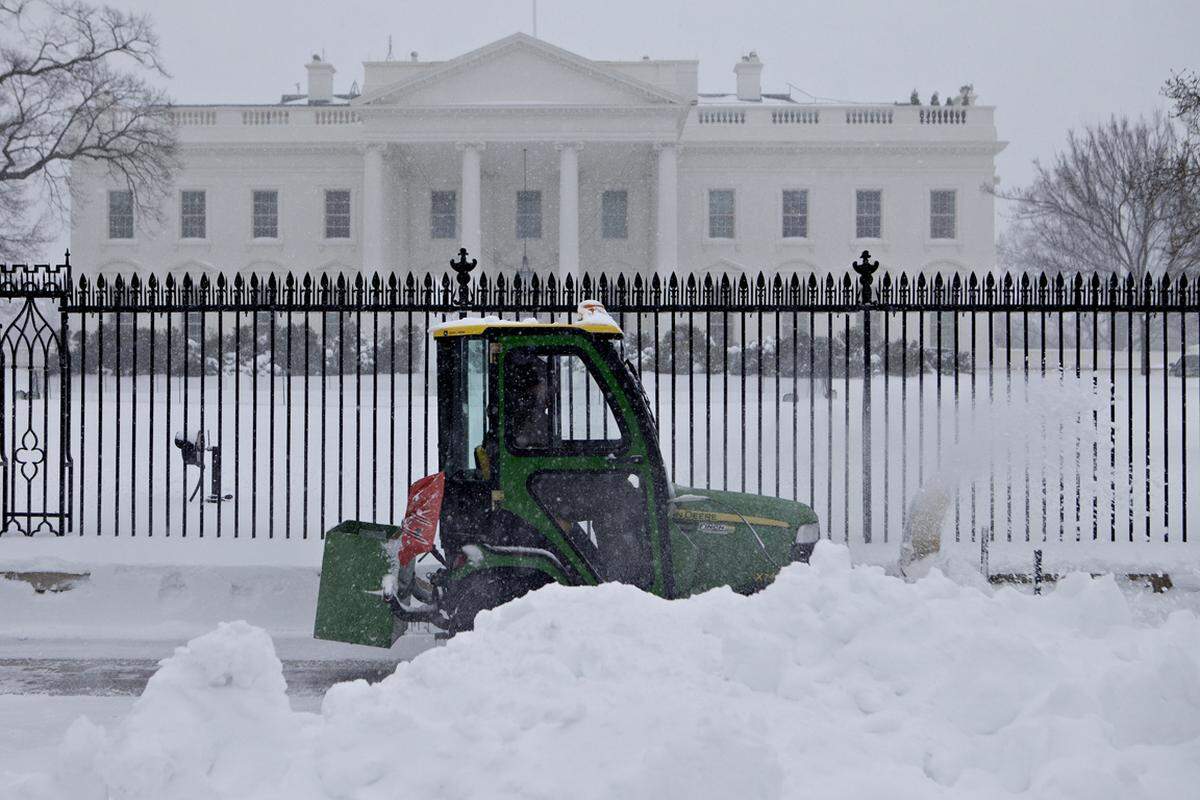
{"type": "Point", "coordinates": [865, 268]}
{"type": "Point", "coordinates": [463, 269]}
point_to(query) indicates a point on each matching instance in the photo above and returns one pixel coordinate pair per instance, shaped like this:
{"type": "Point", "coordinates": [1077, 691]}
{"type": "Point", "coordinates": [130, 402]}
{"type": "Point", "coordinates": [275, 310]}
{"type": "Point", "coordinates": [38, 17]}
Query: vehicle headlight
{"type": "Point", "coordinates": [808, 533]}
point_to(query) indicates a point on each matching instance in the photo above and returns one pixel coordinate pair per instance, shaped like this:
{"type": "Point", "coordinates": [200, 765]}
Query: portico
{"type": "Point", "coordinates": [481, 184]}
{"type": "Point", "coordinates": [572, 125]}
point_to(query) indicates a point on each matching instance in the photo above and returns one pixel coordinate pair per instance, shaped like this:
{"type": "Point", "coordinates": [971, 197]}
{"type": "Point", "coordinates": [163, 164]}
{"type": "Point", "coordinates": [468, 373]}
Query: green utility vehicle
{"type": "Point", "coordinates": [552, 473]}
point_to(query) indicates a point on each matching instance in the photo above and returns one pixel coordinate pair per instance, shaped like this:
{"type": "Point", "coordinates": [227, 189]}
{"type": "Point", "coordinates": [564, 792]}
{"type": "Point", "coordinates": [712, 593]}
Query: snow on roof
{"type": "Point", "coordinates": [470, 326]}
{"type": "Point", "coordinates": [302, 100]}
{"type": "Point", "coordinates": [731, 98]}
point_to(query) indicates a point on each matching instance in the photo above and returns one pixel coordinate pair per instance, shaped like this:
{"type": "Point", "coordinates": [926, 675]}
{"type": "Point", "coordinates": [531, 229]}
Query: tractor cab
{"type": "Point", "coordinates": [548, 446]}
{"type": "Point", "coordinates": [549, 471]}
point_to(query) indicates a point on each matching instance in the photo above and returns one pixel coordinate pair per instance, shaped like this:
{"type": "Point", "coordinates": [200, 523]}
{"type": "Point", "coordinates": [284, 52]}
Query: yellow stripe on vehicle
{"type": "Point", "coordinates": [717, 516]}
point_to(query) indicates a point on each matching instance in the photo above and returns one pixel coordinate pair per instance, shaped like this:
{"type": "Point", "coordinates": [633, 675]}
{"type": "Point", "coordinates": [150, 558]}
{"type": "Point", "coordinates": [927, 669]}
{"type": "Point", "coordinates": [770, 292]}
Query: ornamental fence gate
{"type": "Point", "coordinates": [1046, 410]}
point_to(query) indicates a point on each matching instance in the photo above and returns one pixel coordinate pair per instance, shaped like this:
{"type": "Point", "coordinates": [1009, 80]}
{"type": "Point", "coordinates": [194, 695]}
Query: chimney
{"type": "Point", "coordinates": [749, 77]}
{"type": "Point", "coordinates": [320, 81]}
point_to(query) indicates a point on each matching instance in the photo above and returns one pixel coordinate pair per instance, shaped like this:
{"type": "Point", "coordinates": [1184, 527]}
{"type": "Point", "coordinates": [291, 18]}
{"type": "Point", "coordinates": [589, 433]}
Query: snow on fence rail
{"type": "Point", "coordinates": [1024, 409]}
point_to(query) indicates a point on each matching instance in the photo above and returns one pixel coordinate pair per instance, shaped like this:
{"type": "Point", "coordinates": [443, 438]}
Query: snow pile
{"type": "Point", "coordinates": [833, 682]}
{"type": "Point", "coordinates": [214, 721]}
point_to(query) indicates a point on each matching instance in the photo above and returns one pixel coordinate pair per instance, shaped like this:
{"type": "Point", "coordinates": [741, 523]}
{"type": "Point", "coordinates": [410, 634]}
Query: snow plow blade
{"type": "Point", "coordinates": [350, 604]}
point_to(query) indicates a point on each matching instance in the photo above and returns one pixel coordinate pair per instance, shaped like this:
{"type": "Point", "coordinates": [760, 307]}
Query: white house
{"type": "Point", "coordinates": [522, 150]}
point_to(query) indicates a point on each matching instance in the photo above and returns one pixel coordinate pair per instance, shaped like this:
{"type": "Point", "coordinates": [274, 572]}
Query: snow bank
{"type": "Point", "coordinates": [214, 721]}
{"type": "Point", "coordinates": [833, 682]}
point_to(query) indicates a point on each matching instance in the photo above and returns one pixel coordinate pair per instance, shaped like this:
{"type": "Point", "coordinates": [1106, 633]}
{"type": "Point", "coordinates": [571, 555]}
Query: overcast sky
{"type": "Point", "coordinates": [1047, 65]}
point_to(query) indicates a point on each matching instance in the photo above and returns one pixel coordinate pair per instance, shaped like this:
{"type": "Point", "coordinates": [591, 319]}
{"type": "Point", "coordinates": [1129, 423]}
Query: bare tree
{"type": "Point", "coordinates": [1103, 204]}
{"type": "Point", "coordinates": [1183, 89]}
{"type": "Point", "coordinates": [75, 89]}
{"type": "Point", "coordinates": [1111, 201]}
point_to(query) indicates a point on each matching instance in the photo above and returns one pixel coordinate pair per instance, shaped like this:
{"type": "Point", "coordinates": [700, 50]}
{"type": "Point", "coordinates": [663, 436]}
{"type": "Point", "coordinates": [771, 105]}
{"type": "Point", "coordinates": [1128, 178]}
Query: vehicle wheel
{"type": "Point", "coordinates": [488, 589]}
{"type": "Point", "coordinates": [802, 551]}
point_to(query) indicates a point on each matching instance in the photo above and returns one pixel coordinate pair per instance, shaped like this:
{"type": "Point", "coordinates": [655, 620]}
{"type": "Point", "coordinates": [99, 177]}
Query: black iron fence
{"type": "Point", "coordinates": [1006, 408]}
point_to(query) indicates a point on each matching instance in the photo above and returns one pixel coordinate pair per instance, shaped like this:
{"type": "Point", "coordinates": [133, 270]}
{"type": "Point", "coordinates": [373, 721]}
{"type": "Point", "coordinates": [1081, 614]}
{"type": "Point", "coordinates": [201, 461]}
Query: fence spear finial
{"type": "Point", "coordinates": [463, 269]}
{"type": "Point", "coordinates": [865, 268]}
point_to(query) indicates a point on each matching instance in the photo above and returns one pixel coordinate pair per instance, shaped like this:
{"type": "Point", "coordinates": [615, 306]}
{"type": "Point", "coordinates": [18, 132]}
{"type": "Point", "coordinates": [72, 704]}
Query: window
{"type": "Point", "coordinates": [442, 221]}
{"type": "Point", "coordinates": [603, 515]}
{"type": "Point", "coordinates": [265, 216]}
{"type": "Point", "coordinates": [463, 422]}
{"type": "Point", "coordinates": [868, 218]}
{"type": "Point", "coordinates": [553, 402]}
{"type": "Point", "coordinates": [614, 214]}
{"type": "Point", "coordinates": [120, 215]}
{"type": "Point", "coordinates": [720, 214]}
{"type": "Point", "coordinates": [943, 222]}
{"type": "Point", "coordinates": [337, 213]}
{"type": "Point", "coordinates": [529, 214]}
{"type": "Point", "coordinates": [584, 413]}
{"type": "Point", "coordinates": [193, 215]}
{"type": "Point", "coordinates": [476, 398]}
{"type": "Point", "coordinates": [795, 213]}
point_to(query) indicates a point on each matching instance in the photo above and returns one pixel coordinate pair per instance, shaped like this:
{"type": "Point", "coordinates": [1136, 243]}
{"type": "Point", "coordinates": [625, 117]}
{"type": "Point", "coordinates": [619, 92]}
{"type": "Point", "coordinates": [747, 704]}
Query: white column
{"type": "Point", "coordinates": [472, 224]}
{"type": "Point", "coordinates": [568, 210]}
{"type": "Point", "coordinates": [373, 209]}
{"type": "Point", "coordinates": [667, 219]}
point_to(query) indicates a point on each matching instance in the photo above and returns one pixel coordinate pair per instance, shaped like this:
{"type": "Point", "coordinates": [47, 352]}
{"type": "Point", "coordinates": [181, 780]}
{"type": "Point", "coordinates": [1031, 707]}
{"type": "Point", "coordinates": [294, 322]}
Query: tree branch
{"type": "Point", "coordinates": [74, 90]}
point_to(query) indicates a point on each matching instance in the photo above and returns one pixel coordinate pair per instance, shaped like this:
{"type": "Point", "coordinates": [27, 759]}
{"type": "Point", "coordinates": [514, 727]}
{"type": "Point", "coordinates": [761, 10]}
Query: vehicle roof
{"type": "Point", "coordinates": [601, 324]}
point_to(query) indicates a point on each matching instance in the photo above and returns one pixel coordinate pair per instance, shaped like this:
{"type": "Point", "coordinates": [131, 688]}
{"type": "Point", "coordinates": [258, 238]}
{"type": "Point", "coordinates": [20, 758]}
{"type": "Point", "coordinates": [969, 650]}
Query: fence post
{"type": "Point", "coordinates": [66, 489]}
{"type": "Point", "coordinates": [463, 269]}
{"type": "Point", "coordinates": [865, 268]}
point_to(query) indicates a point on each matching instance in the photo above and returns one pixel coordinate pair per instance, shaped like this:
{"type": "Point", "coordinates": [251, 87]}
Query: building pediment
{"type": "Point", "coordinates": [519, 71]}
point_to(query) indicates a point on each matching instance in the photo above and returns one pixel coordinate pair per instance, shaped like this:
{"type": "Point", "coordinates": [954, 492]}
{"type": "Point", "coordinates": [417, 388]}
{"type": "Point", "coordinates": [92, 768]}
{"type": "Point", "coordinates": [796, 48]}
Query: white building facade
{"type": "Point", "coordinates": [524, 153]}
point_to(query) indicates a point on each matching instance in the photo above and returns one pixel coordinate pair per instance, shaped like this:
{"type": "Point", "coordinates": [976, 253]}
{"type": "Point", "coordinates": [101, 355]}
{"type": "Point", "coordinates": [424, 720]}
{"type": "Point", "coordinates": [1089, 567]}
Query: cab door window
{"type": "Point", "coordinates": [553, 402]}
{"type": "Point", "coordinates": [603, 515]}
{"type": "Point", "coordinates": [584, 413]}
{"type": "Point", "coordinates": [555, 405]}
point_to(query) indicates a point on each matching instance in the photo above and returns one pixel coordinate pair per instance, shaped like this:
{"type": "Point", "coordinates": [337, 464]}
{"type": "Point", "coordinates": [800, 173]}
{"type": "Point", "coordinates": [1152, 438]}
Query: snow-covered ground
{"type": "Point", "coordinates": [89, 650]}
{"type": "Point", "coordinates": [124, 610]}
{"type": "Point", "coordinates": [833, 682]}
{"type": "Point", "coordinates": [1051, 460]}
